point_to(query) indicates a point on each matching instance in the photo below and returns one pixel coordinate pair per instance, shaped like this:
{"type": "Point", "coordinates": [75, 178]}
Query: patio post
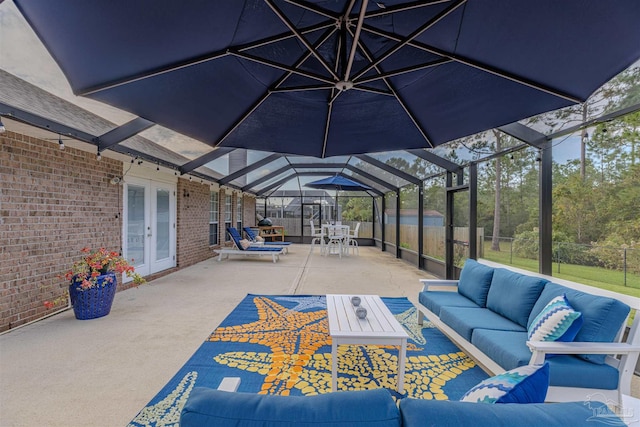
{"type": "Point", "coordinates": [448, 229]}
{"type": "Point", "coordinates": [383, 246]}
{"type": "Point", "coordinates": [420, 224]}
{"type": "Point", "coordinates": [398, 252]}
{"type": "Point", "coordinates": [473, 210]}
{"type": "Point", "coordinates": [545, 259]}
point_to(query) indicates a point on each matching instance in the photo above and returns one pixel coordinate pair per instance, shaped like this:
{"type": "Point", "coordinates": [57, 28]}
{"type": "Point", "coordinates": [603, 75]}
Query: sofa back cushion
{"type": "Point", "coordinates": [513, 295]}
{"type": "Point", "coordinates": [602, 316]}
{"type": "Point", "coordinates": [475, 280]}
{"type": "Point", "coordinates": [208, 407]}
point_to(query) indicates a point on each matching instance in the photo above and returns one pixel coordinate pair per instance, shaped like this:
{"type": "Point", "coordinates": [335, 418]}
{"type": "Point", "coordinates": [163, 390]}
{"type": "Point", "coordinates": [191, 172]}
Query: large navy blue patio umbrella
{"type": "Point", "coordinates": [334, 77]}
{"type": "Point", "coordinates": [338, 183]}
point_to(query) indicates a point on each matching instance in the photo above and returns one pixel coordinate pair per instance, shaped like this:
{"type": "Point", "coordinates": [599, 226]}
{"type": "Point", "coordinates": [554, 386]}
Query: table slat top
{"type": "Point", "coordinates": [380, 322]}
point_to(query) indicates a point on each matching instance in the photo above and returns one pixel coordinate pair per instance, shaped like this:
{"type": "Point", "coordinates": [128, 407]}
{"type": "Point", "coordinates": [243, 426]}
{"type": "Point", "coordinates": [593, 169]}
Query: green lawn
{"type": "Point", "coordinates": [603, 278]}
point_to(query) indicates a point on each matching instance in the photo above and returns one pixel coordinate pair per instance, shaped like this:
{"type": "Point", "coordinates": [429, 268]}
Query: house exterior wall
{"type": "Point", "coordinates": [52, 204]}
{"type": "Point", "coordinates": [55, 202]}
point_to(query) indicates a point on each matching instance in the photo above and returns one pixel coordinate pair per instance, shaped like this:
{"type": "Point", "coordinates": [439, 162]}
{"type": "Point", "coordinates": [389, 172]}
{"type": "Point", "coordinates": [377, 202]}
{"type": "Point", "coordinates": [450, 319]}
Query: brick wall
{"type": "Point", "coordinates": [52, 204]}
{"type": "Point", "coordinates": [249, 211]}
{"type": "Point", "coordinates": [193, 223]}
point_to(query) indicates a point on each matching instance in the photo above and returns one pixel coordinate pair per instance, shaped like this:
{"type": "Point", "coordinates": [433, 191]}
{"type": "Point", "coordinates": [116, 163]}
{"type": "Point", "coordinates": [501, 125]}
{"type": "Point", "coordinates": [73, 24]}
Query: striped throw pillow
{"type": "Point", "coordinates": [558, 321]}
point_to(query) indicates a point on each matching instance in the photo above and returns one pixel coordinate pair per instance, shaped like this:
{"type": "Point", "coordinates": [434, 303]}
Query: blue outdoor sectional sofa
{"type": "Point", "coordinates": [491, 312]}
{"type": "Point", "coordinates": [376, 408]}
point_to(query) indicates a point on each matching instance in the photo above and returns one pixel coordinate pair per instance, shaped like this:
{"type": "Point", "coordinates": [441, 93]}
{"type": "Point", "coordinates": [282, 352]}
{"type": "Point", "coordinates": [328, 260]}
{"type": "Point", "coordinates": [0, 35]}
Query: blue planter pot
{"type": "Point", "coordinates": [96, 301]}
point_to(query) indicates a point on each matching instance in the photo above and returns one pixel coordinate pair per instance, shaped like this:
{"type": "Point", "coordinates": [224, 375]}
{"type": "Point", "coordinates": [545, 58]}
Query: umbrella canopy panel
{"type": "Point", "coordinates": [322, 78]}
{"type": "Point", "coordinates": [338, 182]}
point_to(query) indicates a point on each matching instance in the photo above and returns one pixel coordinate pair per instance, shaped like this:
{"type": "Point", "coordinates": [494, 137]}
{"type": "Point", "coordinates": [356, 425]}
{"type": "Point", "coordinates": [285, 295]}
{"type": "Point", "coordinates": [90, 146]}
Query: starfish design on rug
{"type": "Point", "coordinates": [292, 336]}
{"type": "Point", "coordinates": [364, 367]}
{"type": "Point", "coordinates": [166, 412]}
{"type": "Point", "coordinates": [305, 303]}
{"type": "Point", "coordinates": [408, 321]}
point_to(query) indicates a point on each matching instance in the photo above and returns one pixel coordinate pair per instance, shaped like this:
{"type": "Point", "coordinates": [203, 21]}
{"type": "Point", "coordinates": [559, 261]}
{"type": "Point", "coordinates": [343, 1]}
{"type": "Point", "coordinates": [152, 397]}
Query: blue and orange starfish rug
{"type": "Point", "coordinates": [281, 345]}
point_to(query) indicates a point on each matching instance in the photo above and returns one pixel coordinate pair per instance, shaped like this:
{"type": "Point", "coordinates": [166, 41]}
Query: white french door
{"type": "Point", "coordinates": [149, 225]}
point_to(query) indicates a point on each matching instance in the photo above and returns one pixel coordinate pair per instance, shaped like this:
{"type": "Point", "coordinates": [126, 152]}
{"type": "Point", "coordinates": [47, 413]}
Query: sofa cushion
{"type": "Point", "coordinates": [602, 316]}
{"type": "Point", "coordinates": [475, 280]}
{"type": "Point", "coordinates": [557, 321]}
{"type": "Point", "coordinates": [525, 384]}
{"type": "Point", "coordinates": [464, 320]}
{"type": "Point", "coordinates": [209, 407]}
{"type": "Point", "coordinates": [507, 348]}
{"type": "Point", "coordinates": [573, 371]}
{"type": "Point", "coordinates": [445, 413]}
{"type": "Point", "coordinates": [513, 295]}
{"type": "Point", "coordinates": [435, 300]}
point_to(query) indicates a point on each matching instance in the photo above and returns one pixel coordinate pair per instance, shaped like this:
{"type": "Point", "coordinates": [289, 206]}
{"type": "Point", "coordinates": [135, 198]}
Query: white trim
{"type": "Point", "coordinates": [151, 185]}
{"type": "Point", "coordinates": [140, 171]}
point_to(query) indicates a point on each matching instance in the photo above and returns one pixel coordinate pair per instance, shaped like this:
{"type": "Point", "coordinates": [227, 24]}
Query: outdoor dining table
{"type": "Point", "coordinates": [337, 239]}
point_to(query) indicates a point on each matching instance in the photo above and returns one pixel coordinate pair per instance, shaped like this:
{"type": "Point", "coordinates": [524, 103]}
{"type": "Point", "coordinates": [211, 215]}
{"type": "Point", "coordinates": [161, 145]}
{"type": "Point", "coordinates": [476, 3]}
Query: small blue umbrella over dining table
{"type": "Point", "coordinates": [338, 183]}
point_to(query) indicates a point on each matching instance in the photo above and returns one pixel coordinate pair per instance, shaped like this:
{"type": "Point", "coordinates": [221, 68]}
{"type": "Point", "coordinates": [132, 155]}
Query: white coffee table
{"type": "Point", "coordinates": [379, 327]}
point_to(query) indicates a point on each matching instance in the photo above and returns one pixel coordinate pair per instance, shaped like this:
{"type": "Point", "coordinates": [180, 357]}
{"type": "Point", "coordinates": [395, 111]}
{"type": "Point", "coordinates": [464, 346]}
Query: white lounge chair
{"type": "Point", "coordinates": [249, 250]}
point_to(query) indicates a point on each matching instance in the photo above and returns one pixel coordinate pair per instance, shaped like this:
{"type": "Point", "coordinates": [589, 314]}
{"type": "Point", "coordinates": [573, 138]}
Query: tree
{"type": "Point", "coordinates": [620, 92]}
{"type": "Point", "coordinates": [357, 209]}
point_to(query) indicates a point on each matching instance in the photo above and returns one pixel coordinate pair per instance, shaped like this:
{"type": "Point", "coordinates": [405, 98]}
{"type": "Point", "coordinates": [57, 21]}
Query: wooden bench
{"type": "Point", "coordinates": [275, 232]}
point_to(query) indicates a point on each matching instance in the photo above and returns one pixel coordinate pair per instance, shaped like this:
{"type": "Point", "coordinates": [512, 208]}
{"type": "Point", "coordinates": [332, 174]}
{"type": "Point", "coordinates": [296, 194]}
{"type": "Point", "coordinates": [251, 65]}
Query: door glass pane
{"type": "Point", "coordinates": [162, 224]}
{"type": "Point", "coordinates": [135, 224]}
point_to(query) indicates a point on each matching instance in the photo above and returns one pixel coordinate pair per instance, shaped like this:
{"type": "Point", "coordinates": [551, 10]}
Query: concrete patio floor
{"type": "Point", "coordinates": [65, 372]}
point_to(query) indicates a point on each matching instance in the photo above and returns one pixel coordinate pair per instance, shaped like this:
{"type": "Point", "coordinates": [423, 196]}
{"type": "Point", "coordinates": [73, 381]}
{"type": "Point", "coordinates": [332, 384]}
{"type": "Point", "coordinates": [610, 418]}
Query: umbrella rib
{"type": "Point", "coordinates": [315, 9]}
{"type": "Point", "coordinates": [301, 88]}
{"type": "Point", "coordinates": [269, 92]}
{"type": "Point", "coordinates": [403, 8]}
{"type": "Point", "coordinates": [293, 69]}
{"type": "Point", "coordinates": [282, 67]}
{"type": "Point", "coordinates": [284, 36]}
{"type": "Point", "coordinates": [404, 70]}
{"type": "Point", "coordinates": [150, 73]}
{"type": "Point", "coordinates": [300, 37]}
{"type": "Point", "coordinates": [444, 13]}
{"type": "Point", "coordinates": [200, 59]}
{"type": "Point", "coordinates": [373, 90]}
{"type": "Point", "coordinates": [474, 64]}
{"type": "Point", "coordinates": [400, 100]}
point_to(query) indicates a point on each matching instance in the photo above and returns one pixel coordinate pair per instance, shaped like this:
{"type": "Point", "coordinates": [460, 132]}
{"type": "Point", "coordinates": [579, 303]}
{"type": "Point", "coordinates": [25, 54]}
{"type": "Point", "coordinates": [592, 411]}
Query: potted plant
{"type": "Point", "coordinates": [94, 281]}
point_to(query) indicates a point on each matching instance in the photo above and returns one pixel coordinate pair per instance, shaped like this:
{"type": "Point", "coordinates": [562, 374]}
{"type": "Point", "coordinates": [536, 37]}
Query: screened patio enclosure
{"type": "Point", "coordinates": [423, 205]}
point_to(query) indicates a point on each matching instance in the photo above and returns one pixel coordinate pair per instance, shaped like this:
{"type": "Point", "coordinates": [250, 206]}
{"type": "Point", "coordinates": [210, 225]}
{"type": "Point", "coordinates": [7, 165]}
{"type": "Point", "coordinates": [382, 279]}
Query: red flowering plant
{"type": "Point", "coordinates": [97, 263]}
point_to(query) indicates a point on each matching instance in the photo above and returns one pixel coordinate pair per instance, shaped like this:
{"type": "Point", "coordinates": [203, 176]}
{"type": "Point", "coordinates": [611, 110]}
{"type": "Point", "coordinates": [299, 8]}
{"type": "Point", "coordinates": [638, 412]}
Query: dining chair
{"type": "Point", "coordinates": [316, 237]}
{"type": "Point", "coordinates": [336, 243]}
{"type": "Point", "coordinates": [353, 243]}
